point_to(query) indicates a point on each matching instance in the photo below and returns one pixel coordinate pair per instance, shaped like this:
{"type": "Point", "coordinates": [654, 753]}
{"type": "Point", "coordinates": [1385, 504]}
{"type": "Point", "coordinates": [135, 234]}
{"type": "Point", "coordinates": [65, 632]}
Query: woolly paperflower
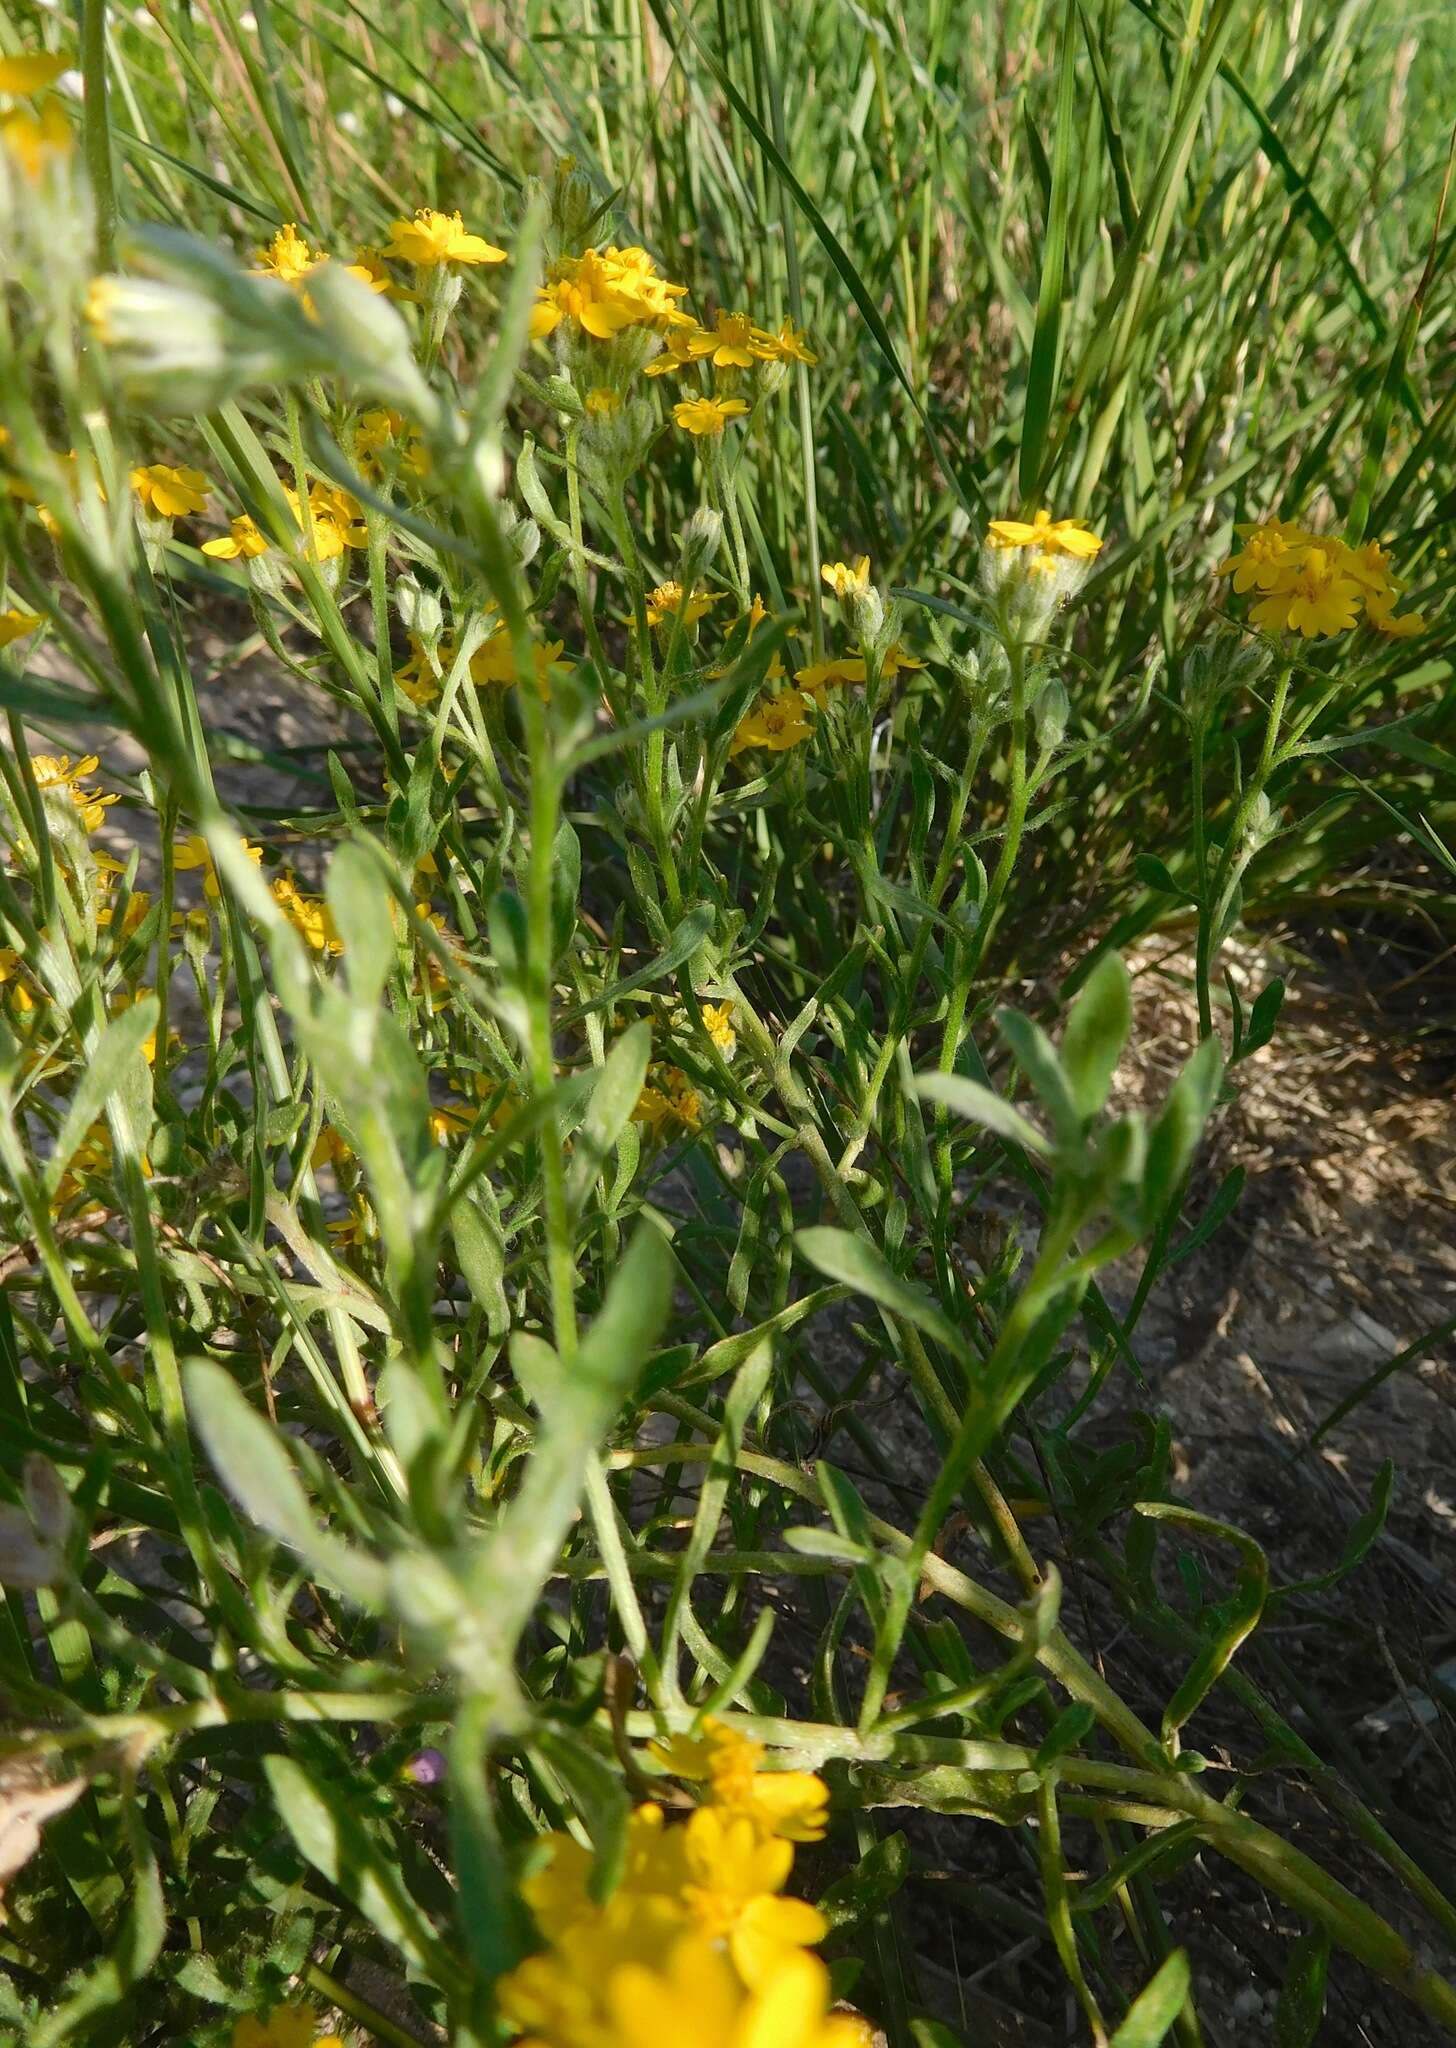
{"type": "Point", "coordinates": [707, 416]}
{"type": "Point", "coordinates": [1052, 536]}
{"type": "Point", "coordinates": [432, 239]}
{"type": "Point", "coordinates": [169, 492]}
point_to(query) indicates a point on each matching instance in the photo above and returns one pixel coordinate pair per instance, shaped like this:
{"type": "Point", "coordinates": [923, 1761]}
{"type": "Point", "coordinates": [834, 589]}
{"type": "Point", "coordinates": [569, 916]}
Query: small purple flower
{"type": "Point", "coordinates": [426, 1767]}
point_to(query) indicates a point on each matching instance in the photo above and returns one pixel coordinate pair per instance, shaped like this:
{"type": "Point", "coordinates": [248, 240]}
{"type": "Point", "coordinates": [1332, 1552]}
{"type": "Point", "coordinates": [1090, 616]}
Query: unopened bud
{"type": "Point", "coordinates": [700, 541]}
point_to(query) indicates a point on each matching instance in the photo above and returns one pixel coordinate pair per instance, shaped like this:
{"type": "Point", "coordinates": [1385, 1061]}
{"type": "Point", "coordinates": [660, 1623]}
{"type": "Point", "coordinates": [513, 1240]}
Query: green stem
{"type": "Point", "coordinates": [97, 127]}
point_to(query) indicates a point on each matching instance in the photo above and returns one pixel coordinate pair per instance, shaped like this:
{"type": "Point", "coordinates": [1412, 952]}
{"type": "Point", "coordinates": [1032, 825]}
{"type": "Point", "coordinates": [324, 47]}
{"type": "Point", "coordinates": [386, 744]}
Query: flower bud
{"type": "Point", "coordinates": [700, 541]}
{"type": "Point", "coordinates": [371, 341]}
{"type": "Point", "coordinates": [1050, 713]}
{"type": "Point", "coordinates": [572, 208]}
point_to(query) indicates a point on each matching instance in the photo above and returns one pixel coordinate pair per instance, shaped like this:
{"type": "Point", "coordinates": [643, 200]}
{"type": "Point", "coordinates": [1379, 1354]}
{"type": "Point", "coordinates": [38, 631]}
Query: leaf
{"type": "Point", "coordinates": [1173, 1137]}
{"type": "Point", "coordinates": [1235, 1619]}
{"type": "Point", "coordinates": [491, 1920]}
{"type": "Point", "coordinates": [1156, 2006]}
{"type": "Point", "coordinates": [845, 1256]}
{"type": "Point", "coordinates": [609, 1111]}
{"type": "Point", "coordinates": [1096, 1032]}
{"type": "Point", "coordinates": [980, 1105]}
{"type": "Point", "coordinates": [364, 913]}
{"type": "Point", "coordinates": [112, 1068]}
{"type": "Point", "coordinates": [328, 1834]}
{"type": "Point", "coordinates": [599, 1797]}
{"type": "Point", "coordinates": [249, 1458]}
{"type": "Point", "coordinates": [1037, 1058]}
{"type": "Point", "coordinates": [1042, 371]}
{"type": "Point", "coordinates": [1301, 2004]}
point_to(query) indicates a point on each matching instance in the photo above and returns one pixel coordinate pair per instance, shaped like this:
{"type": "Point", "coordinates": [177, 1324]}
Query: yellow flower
{"type": "Point", "coordinates": [10, 984]}
{"type": "Point", "coordinates": [338, 523]}
{"type": "Point", "coordinates": [495, 662]}
{"type": "Point", "coordinates": [368, 267]}
{"type": "Point", "coordinates": [789, 345]}
{"type": "Point", "coordinates": [1269, 546]}
{"type": "Point", "coordinates": [169, 492]}
{"type": "Point", "coordinates": [379, 430]}
{"type": "Point", "coordinates": [287, 257]}
{"type": "Point", "coordinates": [36, 141]}
{"type": "Point", "coordinates": [26, 75]}
{"type": "Point", "coordinates": [241, 539]}
{"type": "Point", "coordinates": [792, 1804]}
{"type": "Point", "coordinates": [896, 658]}
{"type": "Point", "coordinates": [601, 401]}
{"type": "Point", "coordinates": [14, 625]}
{"type": "Point", "coordinates": [447, 1122]}
{"type": "Point", "coordinates": [734, 1874]}
{"type": "Point", "coordinates": [844, 580]}
{"type": "Point", "coordinates": [694, 1997]}
{"type": "Point", "coordinates": [668, 1100]}
{"type": "Point", "coordinates": [1379, 610]}
{"type": "Point", "coordinates": [194, 853]}
{"type": "Point", "coordinates": [774, 722]}
{"type": "Point", "coordinates": [817, 678]}
{"type": "Point", "coordinates": [432, 239]}
{"type": "Point", "coordinates": [666, 602]}
{"type": "Point", "coordinates": [56, 771]}
{"type": "Point", "coordinates": [420, 676]}
{"type": "Point", "coordinates": [707, 416]}
{"type": "Point", "coordinates": [681, 348]}
{"type": "Point", "coordinates": [309, 915]}
{"type": "Point", "coordinates": [287, 2026]}
{"type": "Point", "coordinates": [1052, 536]}
{"type": "Point", "coordinates": [1311, 596]}
{"type": "Point", "coordinates": [729, 345]}
{"type": "Point", "coordinates": [718, 1023]}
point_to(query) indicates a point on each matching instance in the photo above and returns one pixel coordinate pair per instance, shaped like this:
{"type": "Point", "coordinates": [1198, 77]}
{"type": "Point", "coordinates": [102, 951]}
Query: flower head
{"type": "Point", "coordinates": [310, 916]}
{"type": "Point", "coordinates": [668, 1102]}
{"type": "Point", "coordinates": [1270, 547]}
{"type": "Point", "coordinates": [707, 416]}
{"type": "Point", "coordinates": [170, 493]}
{"type": "Point", "coordinates": [432, 239]}
{"type": "Point", "coordinates": [24, 76]}
{"type": "Point", "coordinates": [35, 141]}
{"type": "Point", "coordinates": [789, 345]}
{"type": "Point", "coordinates": [242, 538]}
{"type": "Point", "coordinates": [775, 722]}
{"type": "Point", "coordinates": [845, 579]}
{"type": "Point", "coordinates": [495, 661]}
{"type": "Point", "coordinates": [1051, 536]}
{"type": "Point", "coordinates": [59, 772]}
{"type": "Point", "coordinates": [666, 602]}
{"type": "Point", "coordinates": [14, 625]}
{"type": "Point", "coordinates": [286, 2026]}
{"type": "Point", "coordinates": [730, 344]}
{"type": "Point", "coordinates": [288, 256]}
{"type": "Point", "coordinates": [1312, 595]}
{"type": "Point", "coordinates": [820, 676]}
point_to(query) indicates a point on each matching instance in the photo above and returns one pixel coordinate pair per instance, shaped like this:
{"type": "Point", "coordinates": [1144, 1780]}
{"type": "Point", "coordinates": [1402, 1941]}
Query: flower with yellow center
{"type": "Point", "coordinates": [193, 854]}
{"type": "Point", "coordinates": [775, 722]}
{"type": "Point", "coordinates": [495, 662]}
{"type": "Point", "coordinates": [56, 771]}
{"type": "Point", "coordinates": [170, 493]}
{"type": "Point", "coordinates": [668, 1101]}
{"type": "Point", "coordinates": [368, 267]}
{"type": "Point", "coordinates": [433, 239]}
{"type": "Point", "coordinates": [846, 579]}
{"type": "Point", "coordinates": [1051, 536]}
{"type": "Point", "coordinates": [735, 1873]}
{"type": "Point", "coordinates": [897, 657]}
{"type": "Point", "coordinates": [1381, 614]}
{"type": "Point", "coordinates": [14, 625]}
{"type": "Point", "coordinates": [1269, 547]}
{"type": "Point", "coordinates": [420, 676]}
{"type": "Point", "coordinates": [243, 540]}
{"type": "Point", "coordinates": [707, 416]}
{"type": "Point", "coordinates": [1313, 597]}
{"type": "Point", "coordinates": [601, 402]}
{"type": "Point", "coordinates": [681, 348]}
{"type": "Point", "coordinates": [666, 602]}
{"type": "Point", "coordinates": [718, 1023]}
{"type": "Point", "coordinates": [288, 256]}
{"type": "Point", "coordinates": [381, 429]}
{"type": "Point", "coordinates": [789, 345]}
{"type": "Point", "coordinates": [583, 292]}
{"type": "Point", "coordinates": [36, 141]}
{"type": "Point", "coordinates": [286, 2026]}
{"type": "Point", "coordinates": [694, 1997]}
{"type": "Point", "coordinates": [820, 676]}
{"type": "Point", "coordinates": [730, 344]}
{"type": "Point", "coordinates": [12, 988]}
{"type": "Point", "coordinates": [25, 76]}
{"type": "Point", "coordinates": [310, 916]}
{"type": "Point", "coordinates": [793, 1804]}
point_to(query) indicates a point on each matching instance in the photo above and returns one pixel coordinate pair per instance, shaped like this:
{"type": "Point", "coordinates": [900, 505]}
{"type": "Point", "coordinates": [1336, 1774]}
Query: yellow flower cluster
{"type": "Point", "coordinates": [431, 241]}
{"type": "Point", "coordinates": [697, 1942]}
{"type": "Point", "coordinates": [492, 662]}
{"type": "Point", "coordinates": [334, 518]}
{"type": "Point", "coordinates": [668, 1102]}
{"type": "Point", "coordinates": [1045, 536]}
{"type": "Point", "coordinates": [1314, 584]}
{"type": "Point", "coordinates": [60, 773]}
{"type": "Point", "coordinates": [605, 291]}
